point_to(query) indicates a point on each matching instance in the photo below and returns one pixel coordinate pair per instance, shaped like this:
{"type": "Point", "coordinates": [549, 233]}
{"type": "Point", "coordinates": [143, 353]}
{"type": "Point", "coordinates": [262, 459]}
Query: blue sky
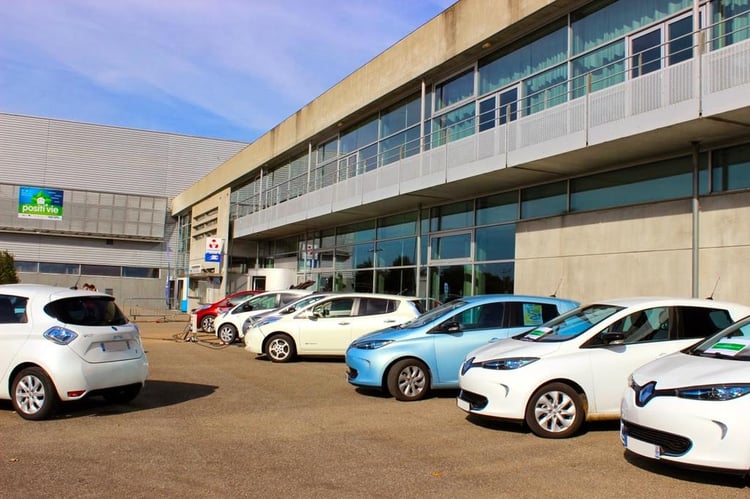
{"type": "Point", "coordinates": [230, 69]}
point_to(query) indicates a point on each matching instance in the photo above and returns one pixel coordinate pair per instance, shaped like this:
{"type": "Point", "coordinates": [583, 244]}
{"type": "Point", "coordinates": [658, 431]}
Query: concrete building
{"type": "Point", "coordinates": [586, 148]}
{"type": "Point", "coordinates": [82, 203]}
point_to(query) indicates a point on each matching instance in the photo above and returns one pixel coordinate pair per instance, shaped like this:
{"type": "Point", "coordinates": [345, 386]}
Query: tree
{"type": "Point", "coordinates": [7, 268]}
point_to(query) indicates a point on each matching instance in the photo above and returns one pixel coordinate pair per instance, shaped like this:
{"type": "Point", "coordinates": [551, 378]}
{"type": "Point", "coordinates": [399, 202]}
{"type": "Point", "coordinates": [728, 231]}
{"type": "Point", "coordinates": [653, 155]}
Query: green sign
{"type": "Point", "coordinates": [39, 202]}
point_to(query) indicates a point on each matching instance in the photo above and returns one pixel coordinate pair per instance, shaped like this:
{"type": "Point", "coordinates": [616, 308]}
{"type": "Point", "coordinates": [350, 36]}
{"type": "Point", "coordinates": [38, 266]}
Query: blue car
{"type": "Point", "coordinates": [426, 353]}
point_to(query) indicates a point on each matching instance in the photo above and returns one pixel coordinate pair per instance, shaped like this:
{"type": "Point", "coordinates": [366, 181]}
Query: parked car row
{"type": "Point", "coordinates": [674, 371]}
{"type": "Point", "coordinates": [551, 364]}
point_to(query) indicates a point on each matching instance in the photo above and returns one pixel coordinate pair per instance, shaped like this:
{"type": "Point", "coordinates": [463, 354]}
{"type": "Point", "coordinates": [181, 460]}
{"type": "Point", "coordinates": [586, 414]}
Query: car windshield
{"type": "Point", "coordinates": [731, 343]}
{"type": "Point", "coordinates": [434, 314]}
{"type": "Point", "coordinates": [299, 304]}
{"type": "Point", "coordinates": [87, 311]}
{"type": "Point", "coordinates": [570, 325]}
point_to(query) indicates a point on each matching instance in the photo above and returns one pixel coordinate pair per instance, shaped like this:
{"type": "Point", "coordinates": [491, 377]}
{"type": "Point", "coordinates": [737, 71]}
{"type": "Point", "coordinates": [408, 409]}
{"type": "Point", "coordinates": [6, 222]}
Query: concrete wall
{"type": "Point", "coordinates": [641, 250]}
{"type": "Point", "coordinates": [463, 27]}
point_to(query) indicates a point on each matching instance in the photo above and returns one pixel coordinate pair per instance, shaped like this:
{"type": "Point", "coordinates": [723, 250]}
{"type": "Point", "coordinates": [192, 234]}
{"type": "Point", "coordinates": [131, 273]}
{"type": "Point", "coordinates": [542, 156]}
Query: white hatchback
{"type": "Point", "coordinates": [576, 366]}
{"type": "Point", "coordinates": [691, 408]}
{"type": "Point", "coordinates": [229, 324]}
{"type": "Point", "coordinates": [64, 344]}
{"type": "Point", "coordinates": [329, 325]}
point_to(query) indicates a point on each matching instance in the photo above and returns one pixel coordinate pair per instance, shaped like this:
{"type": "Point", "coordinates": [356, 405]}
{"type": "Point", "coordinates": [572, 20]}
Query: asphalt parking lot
{"type": "Point", "coordinates": [214, 421]}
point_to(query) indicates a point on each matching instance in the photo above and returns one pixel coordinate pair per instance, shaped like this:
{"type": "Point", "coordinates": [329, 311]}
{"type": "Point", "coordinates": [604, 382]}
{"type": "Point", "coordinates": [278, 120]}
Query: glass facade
{"type": "Point", "coordinates": [468, 247]}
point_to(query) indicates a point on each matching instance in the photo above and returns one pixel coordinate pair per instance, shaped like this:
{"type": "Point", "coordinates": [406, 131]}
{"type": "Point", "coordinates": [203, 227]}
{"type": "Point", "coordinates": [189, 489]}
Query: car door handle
{"type": "Point", "coordinates": [388, 321]}
{"type": "Point", "coordinates": [343, 323]}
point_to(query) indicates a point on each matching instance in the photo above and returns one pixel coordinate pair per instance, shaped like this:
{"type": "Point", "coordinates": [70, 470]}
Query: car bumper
{"type": "Point", "coordinates": [254, 341]}
{"type": "Point", "coordinates": [706, 434]}
{"type": "Point", "coordinates": [90, 377]}
{"type": "Point", "coordinates": [362, 370]}
{"type": "Point", "coordinates": [496, 394]}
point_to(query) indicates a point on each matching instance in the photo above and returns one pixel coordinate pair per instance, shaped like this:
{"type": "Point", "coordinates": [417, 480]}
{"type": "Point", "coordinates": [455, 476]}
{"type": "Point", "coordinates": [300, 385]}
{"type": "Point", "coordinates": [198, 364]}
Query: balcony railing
{"type": "Point", "coordinates": [649, 94]}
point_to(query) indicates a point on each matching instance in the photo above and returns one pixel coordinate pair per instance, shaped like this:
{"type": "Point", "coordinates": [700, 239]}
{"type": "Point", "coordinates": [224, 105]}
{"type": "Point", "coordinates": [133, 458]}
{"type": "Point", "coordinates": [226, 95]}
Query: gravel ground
{"type": "Point", "coordinates": [215, 421]}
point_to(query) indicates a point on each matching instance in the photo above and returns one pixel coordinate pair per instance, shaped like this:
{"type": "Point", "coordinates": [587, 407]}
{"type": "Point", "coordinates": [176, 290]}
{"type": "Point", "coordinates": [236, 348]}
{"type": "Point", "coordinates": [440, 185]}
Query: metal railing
{"type": "Point", "coordinates": [574, 106]}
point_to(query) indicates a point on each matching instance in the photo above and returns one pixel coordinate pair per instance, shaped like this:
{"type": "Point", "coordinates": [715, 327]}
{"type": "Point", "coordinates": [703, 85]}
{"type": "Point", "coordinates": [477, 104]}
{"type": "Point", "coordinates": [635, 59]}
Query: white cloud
{"type": "Point", "coordinates": [252, 63]}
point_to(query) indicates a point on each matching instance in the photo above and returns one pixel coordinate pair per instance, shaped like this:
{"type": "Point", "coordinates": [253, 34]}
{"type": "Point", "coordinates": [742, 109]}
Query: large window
{"type": "Point", "coordinates": [731, 169]}
{"type": "Point", "coordinates": [544, 200]}
{"type": "Point", "coordinates": [497, 242]}
{"type": "Point", "coordinates": [524, 60]}
{"type": "Point", "coordinates": [731, 22]}
{"type": "Point", "coordinates": [454, 90]}
{"type": "Point", "coordinates": [604, 21]}
{"type": "Point", "coordinates": [647, 183]}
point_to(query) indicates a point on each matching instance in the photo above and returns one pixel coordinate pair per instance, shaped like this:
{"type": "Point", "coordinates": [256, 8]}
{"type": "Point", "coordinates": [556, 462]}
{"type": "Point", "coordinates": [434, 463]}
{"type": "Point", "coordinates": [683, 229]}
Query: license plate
{"type": "Point", "coordinates": [114, 346]}
{"type": "Point", "coordinates": [642, 448]}
{"type": "Point", "coordinates": [463, 405]}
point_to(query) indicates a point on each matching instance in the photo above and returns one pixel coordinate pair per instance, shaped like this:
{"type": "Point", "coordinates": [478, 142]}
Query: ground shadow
{"type": "Point", "coordinates": [154, 394]}
{"type": "Point", "coordinates": [687, 474]}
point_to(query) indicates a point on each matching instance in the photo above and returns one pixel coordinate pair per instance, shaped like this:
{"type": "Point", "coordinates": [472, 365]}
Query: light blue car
{"type": "Point", "coordinates": [426, 353]}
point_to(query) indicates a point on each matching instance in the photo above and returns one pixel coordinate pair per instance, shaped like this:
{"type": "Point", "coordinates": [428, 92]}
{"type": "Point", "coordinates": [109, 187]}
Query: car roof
{"type": "Point", "coordinates": [635, 301]}
{"type": "Point", "coordinates": [53, 292]}
{"type": "Point", "coordinates": [512, 297]}
{"type": "Point", "coordinates": [330, 294]}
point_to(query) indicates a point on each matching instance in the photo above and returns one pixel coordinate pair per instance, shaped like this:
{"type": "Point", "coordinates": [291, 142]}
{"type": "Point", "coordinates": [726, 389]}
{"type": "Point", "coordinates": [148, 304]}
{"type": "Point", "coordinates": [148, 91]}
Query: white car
{"type": "Point", "coordinates": [575, 367]}
{"type": "Point", "coordinates": [228, 324]}
{"type": "Point", "coordinates": [691, 408]}
{"type": "Point", "coordinates": [59, 344]}
{"type": "Point", "coordinates": [328, 326]}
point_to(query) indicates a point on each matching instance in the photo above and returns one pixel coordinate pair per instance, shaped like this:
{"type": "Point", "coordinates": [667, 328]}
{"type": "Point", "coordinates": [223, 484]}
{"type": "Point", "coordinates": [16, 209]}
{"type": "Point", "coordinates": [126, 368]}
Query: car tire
{"type": "Point", "coordinates": [227, 333]}
{"type": "Point", "coordinates": [280, 348]}
{"type": "Point", "coordinates": [409, 380]}
{"type": "Point", "coordinates": [207, 323]}
{"type": "Point", "coordinates": [33, 394]}
{"type": "Point", "coordinates": [122, 395]}
{"type": "Point", "coordinates": [555, 410]}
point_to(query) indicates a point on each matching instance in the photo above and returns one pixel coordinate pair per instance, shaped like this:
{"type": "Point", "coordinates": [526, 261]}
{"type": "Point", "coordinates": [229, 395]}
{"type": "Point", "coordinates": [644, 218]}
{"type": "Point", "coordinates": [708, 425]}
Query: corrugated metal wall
{"type": "Point", "coordinates": [67, 155]}
{"type": "Point", "coordinates": [92, 164]}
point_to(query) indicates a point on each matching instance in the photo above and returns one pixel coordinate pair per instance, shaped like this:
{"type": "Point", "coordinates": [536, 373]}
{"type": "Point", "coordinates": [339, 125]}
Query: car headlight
{"type": "Point", "coordinates": [713, 392]}
{"type": "Point", "coordinates": [60, 335]}
{"type": "Point", "coordinates": [371, 344]}
{"type": "Point", "coordinates": [508, 364]}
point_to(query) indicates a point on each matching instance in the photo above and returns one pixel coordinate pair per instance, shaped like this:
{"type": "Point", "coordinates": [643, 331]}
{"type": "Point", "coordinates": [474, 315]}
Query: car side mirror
{"type": "Point", "coordinates": [614, 338]}
{"type": "Point", "coordinates": [247, 307]}
{"type": "Point", "coordinates": [450, 327]}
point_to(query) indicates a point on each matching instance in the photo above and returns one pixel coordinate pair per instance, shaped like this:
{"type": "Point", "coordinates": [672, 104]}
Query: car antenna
{"type": "Point", "coordinates": [75, 286]}
{"type": "Point", "coordinates": [711, 296]}
{"type": "Point", "coordinates": [554, 294]}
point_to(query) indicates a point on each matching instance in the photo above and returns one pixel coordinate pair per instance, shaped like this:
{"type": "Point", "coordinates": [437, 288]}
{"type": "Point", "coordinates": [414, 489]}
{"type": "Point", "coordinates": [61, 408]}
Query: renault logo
{"type": "Point", "coordinates": [645, 393]}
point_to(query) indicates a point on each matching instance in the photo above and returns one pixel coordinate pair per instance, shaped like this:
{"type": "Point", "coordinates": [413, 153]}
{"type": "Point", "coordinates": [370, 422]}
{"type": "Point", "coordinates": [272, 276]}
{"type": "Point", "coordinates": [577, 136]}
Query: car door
{"type": "Point", "coordinates": [647, 335]}
{"type": "Point", "coordinates": [14, 331]}
{"type": "Point", "coordinates": [326, 329]}
{"type": "Point", "coordinates": [477, 326]}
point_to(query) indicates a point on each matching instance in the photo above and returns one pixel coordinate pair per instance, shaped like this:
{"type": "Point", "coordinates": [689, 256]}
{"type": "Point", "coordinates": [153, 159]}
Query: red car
{"type": "Point", "coordinates": [207, 313]}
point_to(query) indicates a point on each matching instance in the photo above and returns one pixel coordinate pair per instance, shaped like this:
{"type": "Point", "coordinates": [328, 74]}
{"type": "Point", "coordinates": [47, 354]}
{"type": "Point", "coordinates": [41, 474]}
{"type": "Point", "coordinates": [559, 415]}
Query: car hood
{"type": "Point", "coordinates": [511, 347]}
{"type": "Point", "coordinates": [681, 370]}
{"type": "Point", "coordinates": [393, 333]}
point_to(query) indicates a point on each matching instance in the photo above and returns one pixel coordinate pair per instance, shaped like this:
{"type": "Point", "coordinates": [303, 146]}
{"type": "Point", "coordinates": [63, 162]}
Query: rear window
{"type": "Point", "coordinates": [87, 311]}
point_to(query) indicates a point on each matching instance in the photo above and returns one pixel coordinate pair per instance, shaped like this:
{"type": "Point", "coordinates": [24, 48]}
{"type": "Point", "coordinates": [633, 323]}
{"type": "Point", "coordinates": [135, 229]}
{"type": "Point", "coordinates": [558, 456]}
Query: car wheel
{"type": "Point", "coordinates": [409, 380]}
{"type": "Point", "coordinates": [122, 395]}
{"type": "Point", "coordinates": [280, 348]}
{"type": "Point", "coordinates": [34, 395]}
{"type": "Point", "coordinates": [227, 333]}
{"type": "Point", "coordinates": [555, 411]}
{"type": "Point", "coordinates": [207, 323]}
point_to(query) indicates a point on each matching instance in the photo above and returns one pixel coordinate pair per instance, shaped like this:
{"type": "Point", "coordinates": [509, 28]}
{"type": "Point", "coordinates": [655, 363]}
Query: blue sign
{"type": "Point", "coordinates": [213, 257]}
